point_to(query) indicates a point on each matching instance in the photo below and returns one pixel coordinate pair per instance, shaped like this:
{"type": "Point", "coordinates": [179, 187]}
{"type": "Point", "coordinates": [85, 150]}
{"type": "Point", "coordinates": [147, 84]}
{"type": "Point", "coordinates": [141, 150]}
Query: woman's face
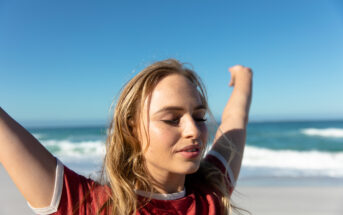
{"type": "Point", "coordinates": [175, 131]}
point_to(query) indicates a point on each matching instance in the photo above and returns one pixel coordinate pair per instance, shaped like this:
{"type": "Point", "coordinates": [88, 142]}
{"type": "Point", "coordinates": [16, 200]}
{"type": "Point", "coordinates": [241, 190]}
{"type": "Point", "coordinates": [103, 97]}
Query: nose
{"type": "Point", "coordinates": [191, 128]}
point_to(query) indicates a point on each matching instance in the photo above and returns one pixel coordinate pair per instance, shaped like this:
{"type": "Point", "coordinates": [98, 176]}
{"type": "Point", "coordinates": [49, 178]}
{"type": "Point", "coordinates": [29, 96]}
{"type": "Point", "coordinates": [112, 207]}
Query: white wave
{"type": "Point", "coordinates": [294, 163]}
{"type": "Point", "coordinates": [89, 155]}
{"type": "Point", "coordinates": [86, 151]}
{"type": "Point", "coordinates": [324, 132]}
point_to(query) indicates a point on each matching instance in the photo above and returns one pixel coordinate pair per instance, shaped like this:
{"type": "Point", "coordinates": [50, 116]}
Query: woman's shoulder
{"type": "Point", "coordinates": [83, 186]}
{"type": "Point", "coordinates": [73, 191]}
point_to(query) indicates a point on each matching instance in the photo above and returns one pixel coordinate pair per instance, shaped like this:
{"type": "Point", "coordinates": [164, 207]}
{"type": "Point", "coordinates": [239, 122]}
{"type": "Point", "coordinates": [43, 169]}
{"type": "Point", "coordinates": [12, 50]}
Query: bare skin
{"type": "Point", "coordinates": [32, 167]}
{"type": "Point", "coordinates": [175, 120]}
{"type": "Point", "coordinates": [235, 117]}
{"type": "Point", "coordinates": [29, 164]}
{"type": "Point", "coordinates": [164, 163]}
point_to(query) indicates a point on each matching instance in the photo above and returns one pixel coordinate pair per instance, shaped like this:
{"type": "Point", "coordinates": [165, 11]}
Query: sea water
{"type": "Point", "coordinates": [294, 153]}
{"type": "Point", "coordinates": [302, 153]}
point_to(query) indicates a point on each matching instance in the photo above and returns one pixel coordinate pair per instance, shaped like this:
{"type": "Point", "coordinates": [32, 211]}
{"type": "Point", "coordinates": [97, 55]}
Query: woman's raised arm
{"type": "Point", "coordinates": [29, 164]}
{"type": "Point", "coordinates": [235, 117]}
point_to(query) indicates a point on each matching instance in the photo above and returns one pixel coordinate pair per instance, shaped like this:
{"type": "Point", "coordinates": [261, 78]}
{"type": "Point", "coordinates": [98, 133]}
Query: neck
{"type": "Point", "coordinates": [171, 184]}
{"type": "Point", "coordinates": [166, 182]}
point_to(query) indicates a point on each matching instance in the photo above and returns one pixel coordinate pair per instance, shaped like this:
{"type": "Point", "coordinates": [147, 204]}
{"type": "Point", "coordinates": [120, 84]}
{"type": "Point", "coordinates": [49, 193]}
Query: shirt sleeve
{"type": "Point", "coordinates": [74, 194]}
{"type": "Point", "coordinates": [219, 161]}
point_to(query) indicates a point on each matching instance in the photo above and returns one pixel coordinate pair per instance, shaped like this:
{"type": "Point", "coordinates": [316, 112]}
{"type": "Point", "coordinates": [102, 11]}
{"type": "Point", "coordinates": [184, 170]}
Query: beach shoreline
{"type": "Point", "coordinates": [258, 199]}
{"type": "Point", "coordinates": [295, 200]}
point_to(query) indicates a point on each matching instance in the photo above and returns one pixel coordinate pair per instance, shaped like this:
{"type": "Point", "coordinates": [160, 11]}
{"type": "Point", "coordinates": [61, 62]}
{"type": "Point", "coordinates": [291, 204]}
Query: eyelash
{"type": "Point", "coordinates": [171, 122]}
{"type": "Point", "coordinates": [176, 121]}
{"type": "Point", "coordinates": [201, 119]}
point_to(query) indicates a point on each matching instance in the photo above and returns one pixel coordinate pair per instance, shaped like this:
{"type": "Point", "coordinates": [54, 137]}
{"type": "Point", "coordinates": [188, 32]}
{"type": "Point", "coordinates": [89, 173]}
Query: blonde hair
{"type": "Point", "coordinates": [124, 163]}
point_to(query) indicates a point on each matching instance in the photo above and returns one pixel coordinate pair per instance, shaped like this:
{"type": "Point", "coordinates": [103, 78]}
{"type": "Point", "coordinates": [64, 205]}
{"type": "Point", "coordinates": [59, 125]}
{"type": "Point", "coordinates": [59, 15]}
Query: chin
{"type": "Point", "coordinates": [192, 169]}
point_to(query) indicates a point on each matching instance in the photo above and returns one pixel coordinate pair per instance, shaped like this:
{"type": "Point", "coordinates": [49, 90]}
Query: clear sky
{"type": "Point", "coordinates": [65, 61]}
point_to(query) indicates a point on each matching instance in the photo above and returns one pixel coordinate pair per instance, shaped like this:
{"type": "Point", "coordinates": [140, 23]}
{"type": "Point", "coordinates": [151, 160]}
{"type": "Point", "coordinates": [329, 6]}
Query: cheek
{"type": "Point", "coordinates": [162, 137]}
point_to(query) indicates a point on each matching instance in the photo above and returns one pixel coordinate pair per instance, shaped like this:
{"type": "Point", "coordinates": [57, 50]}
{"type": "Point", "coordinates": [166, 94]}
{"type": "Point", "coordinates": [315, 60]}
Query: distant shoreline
{"type": "Point", "coordinates": [296, 120]}
{"type": "Point", "coordinates": [99, 123]}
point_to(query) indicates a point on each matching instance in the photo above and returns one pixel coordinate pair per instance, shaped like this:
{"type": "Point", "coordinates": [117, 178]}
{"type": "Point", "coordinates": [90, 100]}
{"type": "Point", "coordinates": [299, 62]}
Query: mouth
{"type": "Point", "coordinates": [191, 148]}
{"type": "Point", "coordinates": [190, 151]}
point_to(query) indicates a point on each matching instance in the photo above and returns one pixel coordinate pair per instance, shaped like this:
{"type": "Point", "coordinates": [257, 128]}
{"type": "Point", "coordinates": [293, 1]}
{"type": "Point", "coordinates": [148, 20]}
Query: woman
{"type": "Point", "coordinates": [155, 161]}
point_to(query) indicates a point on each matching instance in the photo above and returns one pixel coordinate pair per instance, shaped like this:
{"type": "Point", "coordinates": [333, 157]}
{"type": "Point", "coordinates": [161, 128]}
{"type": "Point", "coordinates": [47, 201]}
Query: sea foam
{"type": "Point", "coordinates": [89, 155]}
{"type": "Point", "coordinates": [324, 132]}
{"type": "Point", "coordinates": [294, 163]}
{"type": "Point", "coordinates": [86, 151]}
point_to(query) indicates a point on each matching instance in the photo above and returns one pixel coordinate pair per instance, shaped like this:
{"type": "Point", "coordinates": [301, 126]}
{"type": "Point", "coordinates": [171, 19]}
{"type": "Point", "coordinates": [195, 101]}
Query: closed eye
{"type": "Point", "coordinates": [200, 116]}
{"type": "Point", "coordinates": [200, 119]}
{"type": "Point", "coordinates": [173, 122]}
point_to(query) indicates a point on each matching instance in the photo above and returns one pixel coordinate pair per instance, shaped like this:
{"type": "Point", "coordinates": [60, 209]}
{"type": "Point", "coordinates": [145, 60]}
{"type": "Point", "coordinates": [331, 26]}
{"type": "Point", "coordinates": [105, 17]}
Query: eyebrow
{"type": "Point", "coordinates": [177, 108]}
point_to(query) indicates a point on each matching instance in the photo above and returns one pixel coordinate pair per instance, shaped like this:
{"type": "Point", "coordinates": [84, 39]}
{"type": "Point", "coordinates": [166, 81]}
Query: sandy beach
{"type": "Point", "coordinates": [282, 200]}
{"type": "Point", "coordinates": [259, 200]}
{"type": "Point", "coordinates": [12, 202]}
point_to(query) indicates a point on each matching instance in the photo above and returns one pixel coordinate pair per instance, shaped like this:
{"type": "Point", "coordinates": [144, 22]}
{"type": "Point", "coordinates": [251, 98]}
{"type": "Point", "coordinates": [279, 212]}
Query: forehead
{"type": "Point", "coordinates": [174, 90]}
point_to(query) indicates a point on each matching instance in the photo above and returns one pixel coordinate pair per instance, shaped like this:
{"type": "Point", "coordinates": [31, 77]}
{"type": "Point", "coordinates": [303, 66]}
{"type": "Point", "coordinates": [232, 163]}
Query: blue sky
{"type": "Point", "coordinates": [65, 61]}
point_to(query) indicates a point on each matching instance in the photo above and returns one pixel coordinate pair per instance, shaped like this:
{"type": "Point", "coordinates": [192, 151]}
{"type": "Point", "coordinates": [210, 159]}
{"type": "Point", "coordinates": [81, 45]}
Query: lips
{"type": "Point", "coordinates": [190, 148]}
{"type": "Point", "coordinates": [190, 152]}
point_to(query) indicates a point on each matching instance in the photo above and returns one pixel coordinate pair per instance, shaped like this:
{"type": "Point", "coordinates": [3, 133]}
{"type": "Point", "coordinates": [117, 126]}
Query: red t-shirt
{"type": "Point", "coordinates": [76, 194]}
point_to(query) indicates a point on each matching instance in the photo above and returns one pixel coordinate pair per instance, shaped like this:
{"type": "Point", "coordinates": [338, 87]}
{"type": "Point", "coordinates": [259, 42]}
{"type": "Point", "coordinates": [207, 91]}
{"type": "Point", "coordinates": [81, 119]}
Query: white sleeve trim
{"type": "Point", "coordinates": [55, 201]}
{"type": "Point", "coordinates": [225, 163]}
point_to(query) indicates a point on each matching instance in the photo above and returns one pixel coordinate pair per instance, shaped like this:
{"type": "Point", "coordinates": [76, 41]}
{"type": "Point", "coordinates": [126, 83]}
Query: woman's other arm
{"type": "Point", "coordinates": [29, 164]}
{"type": "Point", "coordinates": [235, 117]}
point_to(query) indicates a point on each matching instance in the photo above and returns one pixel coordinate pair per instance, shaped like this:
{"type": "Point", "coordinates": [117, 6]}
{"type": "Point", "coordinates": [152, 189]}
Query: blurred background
{"type": "Point", "coordinates": [62, 63]}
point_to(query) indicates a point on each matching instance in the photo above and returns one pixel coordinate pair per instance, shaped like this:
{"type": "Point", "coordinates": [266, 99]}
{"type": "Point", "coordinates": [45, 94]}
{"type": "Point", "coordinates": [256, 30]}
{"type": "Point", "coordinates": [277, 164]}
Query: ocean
{"type": "Point", "coordinates": [289, 153]}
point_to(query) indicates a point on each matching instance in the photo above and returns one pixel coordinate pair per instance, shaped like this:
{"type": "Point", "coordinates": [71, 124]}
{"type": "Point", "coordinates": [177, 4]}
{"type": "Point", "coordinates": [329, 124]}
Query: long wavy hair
{"type": "Point", "coordinates": [124, 164]}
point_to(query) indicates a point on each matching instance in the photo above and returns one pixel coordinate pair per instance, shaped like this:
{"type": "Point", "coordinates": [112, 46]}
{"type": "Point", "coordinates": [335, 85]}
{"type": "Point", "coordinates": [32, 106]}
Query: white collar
{"type": "Point", "coordinates": [162, 196]}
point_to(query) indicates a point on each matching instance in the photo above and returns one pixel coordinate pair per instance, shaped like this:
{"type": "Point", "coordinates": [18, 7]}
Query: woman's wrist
{"type": "Point", "coordinates": [243, 76]}
{"type": "Point", "coordinates": [243, 85]}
